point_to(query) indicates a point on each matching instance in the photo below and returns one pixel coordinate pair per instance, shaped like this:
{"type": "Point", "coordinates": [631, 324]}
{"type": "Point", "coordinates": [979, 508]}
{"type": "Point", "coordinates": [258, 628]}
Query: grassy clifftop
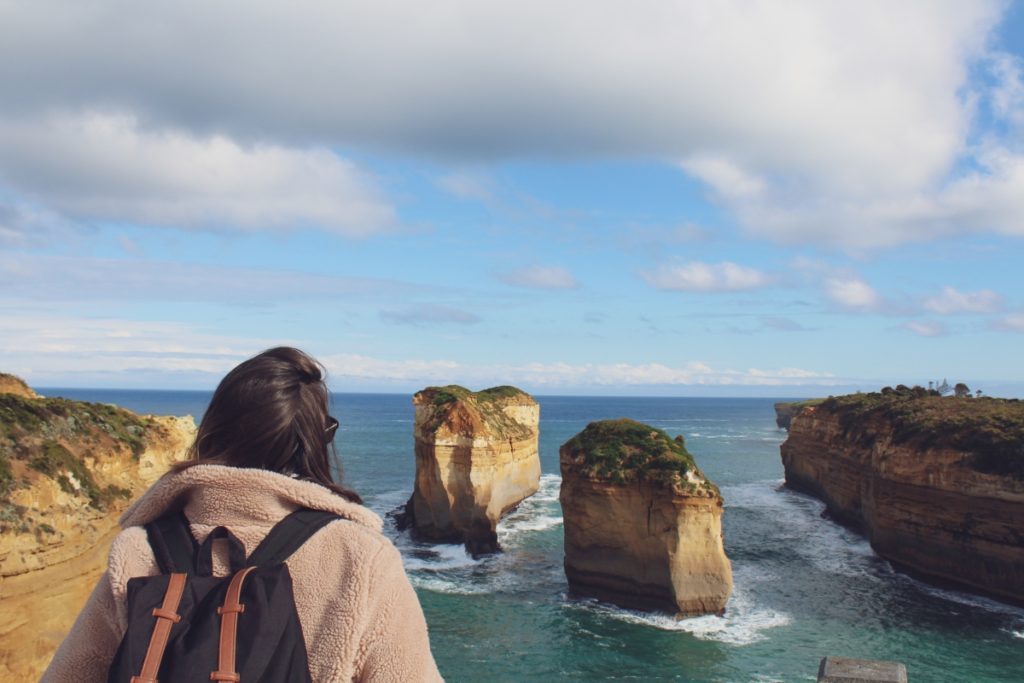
{"type": "Point", "coordinates": [440, 396]}
{"type": "Point", "coordinates": [52, 438]}
{"type": "Point", "coordinates": [623, 451]}
{"type": "Point", "coordinates": [991, 430]}
{"type": "Point", "coordinates": [465, 410]}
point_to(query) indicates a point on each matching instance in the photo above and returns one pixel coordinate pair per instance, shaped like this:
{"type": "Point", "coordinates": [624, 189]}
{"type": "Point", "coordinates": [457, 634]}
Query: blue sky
{"type": "Point", "coordinates": [654, 198]}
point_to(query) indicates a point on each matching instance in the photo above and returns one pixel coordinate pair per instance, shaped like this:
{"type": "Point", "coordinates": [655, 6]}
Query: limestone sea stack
{"type": "Point", "coordinates": [476, 459]}
{"type": "Point", "coordinates": [643, 525]}
{"type": "Point", "coordinates": [67, 471]}
{"type": "Point", "coordinates": [935, 483]}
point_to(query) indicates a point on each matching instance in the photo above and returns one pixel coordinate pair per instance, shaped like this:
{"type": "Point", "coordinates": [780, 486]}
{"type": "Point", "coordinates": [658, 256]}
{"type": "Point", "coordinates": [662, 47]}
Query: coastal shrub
{"type": "Point", "coordinates": [621, 451]}
{"type": "Point", "coordinates": [59, 417]}
{"type": "Point", "coordinates": [6, 475]}
{"type": "Point", "coordinates": [11, 516]}
{"type": "Point", "coordinates": [58, 463]}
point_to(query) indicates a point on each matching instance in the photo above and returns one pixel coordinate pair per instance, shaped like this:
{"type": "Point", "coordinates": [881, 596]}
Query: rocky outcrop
{"type": "Point", "coordinates": [476, 459]}
{"type": "Point", "coordinates": [67, 471]}
{"type": "Point", "coordinates": [643, 525]}
{"type": "Point", "coordinates": [786, 411]}
{"type": "Point", "coordinates": [9, 384]}
{"type": "Point", "coordinates": [936, 484]}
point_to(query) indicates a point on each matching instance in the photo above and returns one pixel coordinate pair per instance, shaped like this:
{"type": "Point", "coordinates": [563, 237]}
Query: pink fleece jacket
{"type": "Point", "coordinates": [360, 617]}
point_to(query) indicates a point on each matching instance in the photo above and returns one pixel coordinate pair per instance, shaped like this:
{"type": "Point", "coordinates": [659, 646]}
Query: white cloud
{"type": "Point", "coordinates": [560, 374]}
{"type": "Point", "coordinates": [540, 277]}
{"type": "Point", "coordinates": [988, 199]}
{"type": "Point", "coordinates": [852, 293]}
{"type": "Point", "coordinates": [1014, 322]}
{"type": "Point", "coordinates": [926, 328]}
{"type": "Point", "coordinates": [23, 225]}
{"type": "Point", "coordinates": [725, 177]}
{"type": "Point", "coordinates": [109, 167]}
{"type": "Point", "coordinates": [1008, 95]}
{"type": "Point", "coordinates": [696, 276]}
{"type": "Point", "coordinates": [951, 301]}
{"type": "Point", "coordinates": [430, 314]}
{"type": "Point", "coordinates": [53, 348]}
{"type": "Point", "coordinates": [835, 123]}
{"type": "Point", "coordinates": [468, 185]}
{"type": "Point", "coordinates": [38, 278]}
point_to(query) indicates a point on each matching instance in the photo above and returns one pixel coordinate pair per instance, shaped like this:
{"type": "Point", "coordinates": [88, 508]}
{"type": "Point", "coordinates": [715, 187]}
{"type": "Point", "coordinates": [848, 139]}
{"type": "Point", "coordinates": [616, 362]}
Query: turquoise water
{"type": "Point", "coordinates": [804, 587]}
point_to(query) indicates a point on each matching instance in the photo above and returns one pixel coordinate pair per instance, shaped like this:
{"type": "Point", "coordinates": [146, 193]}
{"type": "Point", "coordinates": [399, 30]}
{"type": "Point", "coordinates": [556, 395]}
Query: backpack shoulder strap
{"type": "Point", "coordinates": [172, 543]}
{"type": "Point", "coordinates": [288, 534]}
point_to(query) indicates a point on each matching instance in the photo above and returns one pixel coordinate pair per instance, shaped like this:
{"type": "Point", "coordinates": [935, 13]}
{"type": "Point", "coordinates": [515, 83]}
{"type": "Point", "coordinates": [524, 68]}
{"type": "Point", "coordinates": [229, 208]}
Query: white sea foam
{"type": "Point", "coordinates": [967, 599]}
{"type": "Point", "coordinates": [738, 627]}
{"type": "Point", "coordinates": [826, 545]}
{"type": "Point", "coordinates": [744, 622]}
{"type": "Point", "coordinates": [1017, 634]}
{"type": "Point", "coordinates": [540, 523]}
{"type": "Point", "coordinates": [831, 547]}
{"type": "Point", "coordinates": [451, 586]}
{"type": "Point", "coordinates": [443, 556]}
{"type": "Point", "coordinates": [539, 512]}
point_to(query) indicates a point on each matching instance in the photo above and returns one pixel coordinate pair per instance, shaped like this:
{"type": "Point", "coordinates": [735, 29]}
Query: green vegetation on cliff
{"type": "Point", "coordinates": [439, 396]}
{"type": "Point", "coordinates": [488, 404]}
{"type": "Point", "coordinates": [52, 437]}
{"type": "Point", "coordinates": [990, 429]}
{"type": "Point", "coordinates": [622, 451]}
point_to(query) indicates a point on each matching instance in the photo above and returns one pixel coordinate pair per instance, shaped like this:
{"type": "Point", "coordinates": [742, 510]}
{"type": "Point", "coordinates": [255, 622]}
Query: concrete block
{"type": "Point", "coordinates": [843, 670]}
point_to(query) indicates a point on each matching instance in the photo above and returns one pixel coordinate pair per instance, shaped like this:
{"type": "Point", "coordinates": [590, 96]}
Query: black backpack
{"type": "Point", "coordinates": [186, 625]}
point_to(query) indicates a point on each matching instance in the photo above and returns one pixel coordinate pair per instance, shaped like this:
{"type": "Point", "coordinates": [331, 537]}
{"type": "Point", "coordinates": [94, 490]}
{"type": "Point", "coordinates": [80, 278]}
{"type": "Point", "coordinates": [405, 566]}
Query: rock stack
{"type": "Point", "coordinates": [476, 459]}
{"type": "Point", "coordinates": [643, 525]}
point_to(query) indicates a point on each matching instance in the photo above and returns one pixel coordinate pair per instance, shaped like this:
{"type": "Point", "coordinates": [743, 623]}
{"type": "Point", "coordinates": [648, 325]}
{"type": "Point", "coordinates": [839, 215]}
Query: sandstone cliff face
{"type": "Point", "coordinates": [67, 471]}
{"type": "Point", "coordinates": [476, 458]}
{"type": "Point", "coordinates": [642, 524]}
{"type": "Point", "coordinates": [933, 482]}
{"type": "Point", "coordinates": [9, 384]}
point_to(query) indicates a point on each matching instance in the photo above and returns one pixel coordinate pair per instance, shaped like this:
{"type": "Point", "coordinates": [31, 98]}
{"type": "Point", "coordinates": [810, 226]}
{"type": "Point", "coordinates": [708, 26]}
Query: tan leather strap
{"type": "Point", "coordinates": [166, 616]}
{"type": "Point", "coordinates": [229, 612]}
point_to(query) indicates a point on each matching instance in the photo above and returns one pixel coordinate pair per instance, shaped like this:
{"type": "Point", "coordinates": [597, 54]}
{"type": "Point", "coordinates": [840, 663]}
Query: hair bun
{"type": "Point", "coordinates": [310, 375]}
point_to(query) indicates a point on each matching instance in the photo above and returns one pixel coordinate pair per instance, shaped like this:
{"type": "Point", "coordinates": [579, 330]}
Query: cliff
{"type": "Point", "coordinates": [643, 525]}
{"type": "Point", "coordinates": [936, 484]}
{"type": "Point", "coordinates": [785, 411]}
{"type": "Point", "coordinates": [476, 459]}
{"type": "Point", "coordinates": [67, 471]}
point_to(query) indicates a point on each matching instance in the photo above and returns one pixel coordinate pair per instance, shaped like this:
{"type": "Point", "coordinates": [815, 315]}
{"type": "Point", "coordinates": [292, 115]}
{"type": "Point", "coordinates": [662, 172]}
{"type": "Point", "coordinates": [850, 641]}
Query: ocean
{"type": "Point", "coordinates": [804, 587]}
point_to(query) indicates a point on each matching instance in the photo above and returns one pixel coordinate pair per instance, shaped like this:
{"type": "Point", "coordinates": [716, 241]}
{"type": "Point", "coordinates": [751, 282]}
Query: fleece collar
{"type": "Point", "coordinates": [217, 494]}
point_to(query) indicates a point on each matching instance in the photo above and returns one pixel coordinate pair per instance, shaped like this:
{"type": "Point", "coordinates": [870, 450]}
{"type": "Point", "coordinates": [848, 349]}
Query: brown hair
{"type": "Point", "coordinates": [270, 413]}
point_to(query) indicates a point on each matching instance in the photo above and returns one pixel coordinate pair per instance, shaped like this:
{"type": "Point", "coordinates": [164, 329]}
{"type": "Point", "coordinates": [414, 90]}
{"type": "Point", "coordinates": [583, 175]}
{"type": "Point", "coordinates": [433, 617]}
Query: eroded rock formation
{"type": "Point", "coordinates": [67, 471]}
{"type": "Point", "coordinates": [936, 484]}
{"type": "Point", "coordinates": [643, 525]}
{"type": "Point", "coordinates": [476, 458]}
{"type": "Point", "coordinates": [9, 384]}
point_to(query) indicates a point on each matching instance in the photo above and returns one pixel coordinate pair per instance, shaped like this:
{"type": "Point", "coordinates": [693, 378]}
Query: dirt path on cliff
{"type": "Point", "coordinates": [39, 607]}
